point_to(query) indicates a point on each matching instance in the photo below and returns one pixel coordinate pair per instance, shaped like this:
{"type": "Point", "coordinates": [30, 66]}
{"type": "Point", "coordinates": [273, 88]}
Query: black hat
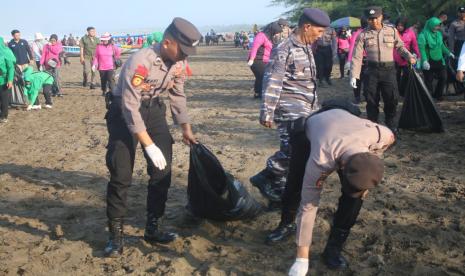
{"type": "Point", "coordinates": [316, 17]}
{"type": "Point", "coordinates": [185, 33]}
{"type": "Point", "coordinates": [283, 22]}
{"type": "Point", "coordinates": [363, 171]}
{"type": "Point", "coordinates": [461, 9]}
{"type": "Point", "coordinates": [373, 12]}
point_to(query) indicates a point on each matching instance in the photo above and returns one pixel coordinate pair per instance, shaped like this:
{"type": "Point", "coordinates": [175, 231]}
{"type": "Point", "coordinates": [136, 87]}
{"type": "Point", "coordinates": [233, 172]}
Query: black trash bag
{"type": "Point", "coordinates": [215, 194]}
{"type": "Point", "coordinates": [419, 112]}
{"type": "Point", "coordinates": [17, 96]}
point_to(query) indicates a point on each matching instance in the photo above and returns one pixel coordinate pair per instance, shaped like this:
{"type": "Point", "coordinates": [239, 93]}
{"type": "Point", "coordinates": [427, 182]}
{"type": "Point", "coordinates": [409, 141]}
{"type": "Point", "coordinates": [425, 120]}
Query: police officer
{"type": "Point", "coordinates": [378, 40]}
{"type": "Point", "coordinates": [349, 145]}
{"type": "Point", "coordinates": [456, 37]}
{"type": "Point", "coordinates": [289, 92]}
{"type": "Point", "coordinates": [326, 50]}
{"type": "Point", "coordinates": [137, 115]}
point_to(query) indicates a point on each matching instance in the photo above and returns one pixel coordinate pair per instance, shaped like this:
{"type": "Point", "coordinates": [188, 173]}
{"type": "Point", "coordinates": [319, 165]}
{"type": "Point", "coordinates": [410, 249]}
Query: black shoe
{"type": "Point", "coordinates": [320, 83]}
{"type": "Point", "coordinates": [154, 235]}
{"type": "Point", "coordinates": [357, 100]}
{"type": "Point", "coordinates": [114, 246]}
{"type": "Point", "coordinates": [84, 83]}
{"type": "Point", "coordinates": [332, 254]}
{"type": "Point", "coordinates": [92, 86]}
{"type": "Point", "coordinates": [329, 81]}
{"type": "Point", "coordinates": [281, 233]}
{"type": "Point", "coordinates": [263, 181]}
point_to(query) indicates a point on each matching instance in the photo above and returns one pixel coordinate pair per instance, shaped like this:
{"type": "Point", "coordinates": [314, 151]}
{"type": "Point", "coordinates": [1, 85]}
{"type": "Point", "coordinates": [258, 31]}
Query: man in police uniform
{"type": "Point", "coordinates": [137, 115]}
{"type": "Point", "coordinates": [326, 51]}
{"type": "Point", "coordinates": [378, 40]}
{"type": "Point", "coordinates": [456, 37]}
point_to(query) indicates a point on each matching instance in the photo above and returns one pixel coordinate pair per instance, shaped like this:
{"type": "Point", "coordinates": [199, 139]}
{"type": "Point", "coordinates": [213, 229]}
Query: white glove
{"type": "Point", "coordinates": [452, 55]}
{"type": "Point", "coordinates": [156, 156]}
{"type": "Point", "coordinates": [299, 268]}
{"type": "Point", "coordinates": [426, 65]}
{"type": "Point", "coordinates": [353, 82]}
{"type": "Point", "coordinates": [347, 66]}
{"type": "Point", "coordinates": [250, 63]}
{"type": "Point", "coordinates": [94, 68]}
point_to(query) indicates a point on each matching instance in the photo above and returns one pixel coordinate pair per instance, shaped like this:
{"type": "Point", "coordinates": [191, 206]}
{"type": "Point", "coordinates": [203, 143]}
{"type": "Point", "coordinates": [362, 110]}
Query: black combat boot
{"type": "Point", "coordinates": [332, 254]}
{"type": "Point", "coordinates": [154, 235]}
{"type": "Point", "coordinates": [263, 181]}
{"type": "Point", "coordinates": [114, 246]}
{"type": "Point", "coordinates": [281, 233]}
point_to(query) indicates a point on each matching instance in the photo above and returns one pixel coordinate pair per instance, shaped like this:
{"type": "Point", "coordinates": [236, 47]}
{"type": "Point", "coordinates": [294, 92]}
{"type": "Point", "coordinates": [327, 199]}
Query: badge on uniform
{"type": "Point", "coordinates": [139, 76]}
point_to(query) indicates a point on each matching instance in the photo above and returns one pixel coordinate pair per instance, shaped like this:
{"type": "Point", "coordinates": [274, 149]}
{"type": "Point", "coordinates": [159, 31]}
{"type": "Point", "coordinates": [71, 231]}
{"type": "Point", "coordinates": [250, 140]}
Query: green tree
{"type": "Point", "coordinates": [415, 10]}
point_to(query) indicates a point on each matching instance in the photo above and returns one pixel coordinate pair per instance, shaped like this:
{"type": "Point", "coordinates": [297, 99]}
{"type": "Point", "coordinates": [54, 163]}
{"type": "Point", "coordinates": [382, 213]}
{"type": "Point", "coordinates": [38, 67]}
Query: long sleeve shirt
{"type": "Point", "coordinates": [456, 32]}
{"type": "Point", "coordinates": [410, 42]}
{"type": "Point", "coordinates": [378, 45]}
{"type": "Point", "coordinates": [7, 70]}
{"type": "Point", "coordinates": [261, 40]}
{"type": "Point", "coordinates": [105, 56]}
{"type": "Point", "coordinates": [144, 76]}
{"type": "Point", "coordinates": [51, 52]}
{"type": "Point", "coordinates": [335, 135]}
{"type": "Point", "coordinates": [291, 73]}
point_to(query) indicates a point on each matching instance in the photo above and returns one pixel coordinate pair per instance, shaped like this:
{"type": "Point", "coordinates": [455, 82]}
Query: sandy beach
{"type": "Point", "coordinates": [53, 181]}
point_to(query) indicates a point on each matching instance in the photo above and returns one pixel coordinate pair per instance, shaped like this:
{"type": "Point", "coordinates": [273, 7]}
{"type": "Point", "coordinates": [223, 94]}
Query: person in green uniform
{"type": "Point", "coordinates": [7, 73]}
{"type": "Point", "coordinates": [35, 81]}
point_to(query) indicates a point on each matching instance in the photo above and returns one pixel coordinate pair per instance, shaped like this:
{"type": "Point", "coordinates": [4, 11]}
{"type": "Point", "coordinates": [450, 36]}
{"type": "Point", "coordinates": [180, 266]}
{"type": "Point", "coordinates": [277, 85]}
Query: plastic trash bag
{"type": "Point", "coordinates": [215, 194]}
{"type": "Point", "coordinates": [419, 112]}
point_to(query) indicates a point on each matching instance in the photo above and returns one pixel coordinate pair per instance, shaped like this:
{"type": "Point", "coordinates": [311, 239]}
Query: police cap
{"type": "Point", "coordinates": [373, 12]}
{"type": "Point", "coordinates": [185, 33]}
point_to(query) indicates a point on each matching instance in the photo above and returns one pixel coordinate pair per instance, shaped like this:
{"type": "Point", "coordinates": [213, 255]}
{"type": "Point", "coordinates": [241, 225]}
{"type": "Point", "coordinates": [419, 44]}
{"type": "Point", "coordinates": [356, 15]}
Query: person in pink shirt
{"type": "Point", "coordinates": [410, 41]}
{"type": "Point", "coordinates": [260, 53]}
{"type": "Point", "coordinates": [51, 61]}
{"type": "Point", "coordinates": [104, 61]}
{"type": "Point", "coordinates": [352, 40]}
{"type": "Point", "coordinates": [343, 45]}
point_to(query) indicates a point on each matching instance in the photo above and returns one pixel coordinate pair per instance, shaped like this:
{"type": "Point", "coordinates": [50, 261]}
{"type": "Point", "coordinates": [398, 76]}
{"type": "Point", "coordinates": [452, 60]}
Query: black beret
{"type": "Point", "coordinates": [316, 17]}
{"type": "Point", "coordinates": [373, 12]}
{"type": "Point", "coordinates": [363, 171]}
{"type": "Point", "coordinates": [185, 33]}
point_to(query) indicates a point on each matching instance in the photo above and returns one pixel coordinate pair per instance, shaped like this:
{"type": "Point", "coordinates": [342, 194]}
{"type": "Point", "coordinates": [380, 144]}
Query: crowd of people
{"type": "Point", "coordinates": [377, 56]}
{"type": "Point", "coordinates": [289, 64]}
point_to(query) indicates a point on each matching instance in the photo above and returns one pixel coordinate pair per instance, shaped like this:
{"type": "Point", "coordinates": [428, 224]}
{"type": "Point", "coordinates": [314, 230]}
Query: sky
{"type": "Point", "coordinates": [66, 16]}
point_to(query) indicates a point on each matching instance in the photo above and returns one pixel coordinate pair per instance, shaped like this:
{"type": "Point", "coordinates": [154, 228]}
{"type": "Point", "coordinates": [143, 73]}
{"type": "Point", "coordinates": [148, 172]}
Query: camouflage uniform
{"type": "Point", "coordinates": [289, 92]}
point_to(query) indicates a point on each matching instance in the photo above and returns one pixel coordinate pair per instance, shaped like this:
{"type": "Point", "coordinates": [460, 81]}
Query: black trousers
{"type": "Point", "coordinates": [342, 62]}
{"type": "Point", "coordinates": [438, 69]}
{"type": "Point", "coordinates": [348, 207]}
{"type": "Point", "coordinates": [291, 196]}
{"type": "Point", "coordinates": [107, 80]}
{"type": "Point", "coordinates": [47, 90]}
{"type": "Point", "coordinates": [381, 82]}
{"type": "Point", "coordinates": [324, 62]}
{"type": "Point", "coordinates": [4, 101]}
{"type": "Point", "coordinates": [258, 69]}
{"type": "Point", "coordinates": [401, 77]}
{"type": "Point", "coordinates": [121, 151]}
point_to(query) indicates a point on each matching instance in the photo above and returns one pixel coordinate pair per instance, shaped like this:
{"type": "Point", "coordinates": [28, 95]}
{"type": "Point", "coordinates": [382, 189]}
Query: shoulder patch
{"type": "Point", "coordinates": [140, 75]}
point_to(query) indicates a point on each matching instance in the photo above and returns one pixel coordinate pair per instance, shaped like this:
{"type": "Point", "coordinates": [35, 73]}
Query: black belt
{"type": "Point", "coordinates": [375, 64]}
